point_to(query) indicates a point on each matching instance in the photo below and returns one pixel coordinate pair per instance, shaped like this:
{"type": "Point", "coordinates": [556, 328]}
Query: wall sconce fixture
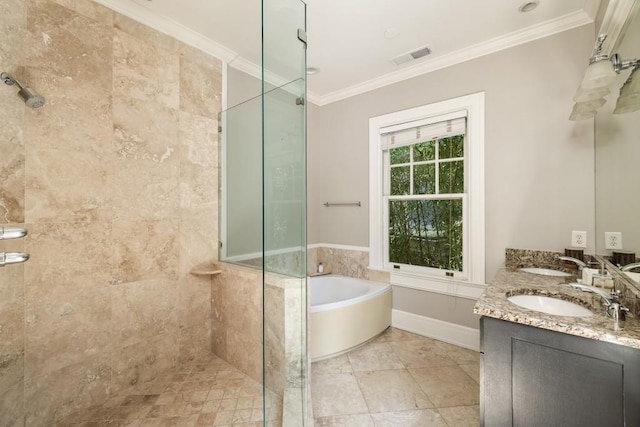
{"type": "Point", "coordinates": [629, 99]}
{"type": "Point", "coordinates": [601, 73]}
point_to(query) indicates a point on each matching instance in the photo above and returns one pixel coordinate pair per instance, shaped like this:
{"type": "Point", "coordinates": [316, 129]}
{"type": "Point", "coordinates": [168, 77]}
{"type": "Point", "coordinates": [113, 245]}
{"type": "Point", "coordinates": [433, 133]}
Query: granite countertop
{"type": "Point", "coordinates": [493, 303]}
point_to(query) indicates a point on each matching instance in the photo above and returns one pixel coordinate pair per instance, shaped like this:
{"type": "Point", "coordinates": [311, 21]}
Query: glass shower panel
{"type": "Point", "coordinates": [285, 181]}
{"type": "Point", "coordinates": [283, 54]}
{"type": "Point", "coordinates": [241, 180]}
{"type": "Point", "coordinates": [284, 208]}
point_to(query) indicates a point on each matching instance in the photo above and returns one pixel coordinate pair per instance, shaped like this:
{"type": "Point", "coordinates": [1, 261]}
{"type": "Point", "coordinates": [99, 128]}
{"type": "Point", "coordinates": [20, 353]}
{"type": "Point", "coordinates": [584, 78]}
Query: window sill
{"type": "Point", "coordinates": [453, 287]}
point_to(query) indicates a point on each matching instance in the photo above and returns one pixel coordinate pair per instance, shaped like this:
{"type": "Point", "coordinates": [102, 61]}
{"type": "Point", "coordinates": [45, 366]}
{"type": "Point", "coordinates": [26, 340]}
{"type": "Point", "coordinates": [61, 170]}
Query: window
{"type": "Point", "coordinates": [427, 195]}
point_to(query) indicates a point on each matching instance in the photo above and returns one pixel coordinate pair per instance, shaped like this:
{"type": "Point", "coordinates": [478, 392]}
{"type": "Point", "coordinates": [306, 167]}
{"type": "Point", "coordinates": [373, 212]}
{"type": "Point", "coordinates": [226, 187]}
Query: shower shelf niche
{"type": "Point", "coordinates": [206, 270]}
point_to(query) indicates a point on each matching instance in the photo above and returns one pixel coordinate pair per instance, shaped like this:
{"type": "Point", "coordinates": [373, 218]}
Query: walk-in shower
{"type": "Point", "coordinates": [28, 95]}
{"type": "Point", "coordinates": [113, 304]}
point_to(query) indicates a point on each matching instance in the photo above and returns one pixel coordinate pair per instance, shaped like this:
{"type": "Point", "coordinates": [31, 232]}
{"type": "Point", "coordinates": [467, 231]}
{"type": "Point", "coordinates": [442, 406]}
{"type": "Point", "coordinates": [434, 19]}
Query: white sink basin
{"type": "Point", "coordinates": [550, 305]}
{"type": "Point", "coordinates": [545, 272]}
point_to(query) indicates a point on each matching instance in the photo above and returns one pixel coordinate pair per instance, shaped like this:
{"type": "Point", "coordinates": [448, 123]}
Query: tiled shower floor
{"type": "Point", "coordinates": [209, 393]}
{"type": "Point", "coordinates": [397, 380]}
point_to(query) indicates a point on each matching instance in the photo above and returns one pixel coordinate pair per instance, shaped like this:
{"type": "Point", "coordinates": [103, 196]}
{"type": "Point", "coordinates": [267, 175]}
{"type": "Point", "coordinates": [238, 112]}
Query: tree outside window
{"type": "Point", "coordinates": [426, 188]}
{"type": "Point", "coordinates": [426, 185]}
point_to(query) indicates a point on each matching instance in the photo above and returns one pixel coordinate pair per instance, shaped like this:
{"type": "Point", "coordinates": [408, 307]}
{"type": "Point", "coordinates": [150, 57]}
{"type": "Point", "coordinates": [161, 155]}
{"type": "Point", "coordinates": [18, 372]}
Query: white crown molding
{"type": "Point", "coordinates": [170, 27]}
{"type": "Point", "coordinates": [246, 66]}
{"type": "Point", "coordinates": [197, 40]}
{"type": "Point", "coordinates": [254, 70]}
{"type": "Point", "coordinates": [534, 32]}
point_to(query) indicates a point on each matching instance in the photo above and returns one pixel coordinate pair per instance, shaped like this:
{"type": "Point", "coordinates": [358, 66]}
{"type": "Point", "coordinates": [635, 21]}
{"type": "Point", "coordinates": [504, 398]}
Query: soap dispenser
{"type": "Point", "coordinates": [603, 279]}
{"type": "Point", "coordinates": [588, 272]}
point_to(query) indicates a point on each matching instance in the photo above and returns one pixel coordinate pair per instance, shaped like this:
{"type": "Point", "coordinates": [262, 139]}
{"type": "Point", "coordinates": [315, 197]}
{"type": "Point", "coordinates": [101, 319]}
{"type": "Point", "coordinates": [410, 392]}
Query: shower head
{"type": "Point", "coordinates": [28, 95]}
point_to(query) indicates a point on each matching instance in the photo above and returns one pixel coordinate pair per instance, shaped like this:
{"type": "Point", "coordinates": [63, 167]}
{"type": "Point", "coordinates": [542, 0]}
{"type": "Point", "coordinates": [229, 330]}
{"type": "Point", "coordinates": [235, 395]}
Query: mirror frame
{"type": "Point", "coordinates": [617, 19]}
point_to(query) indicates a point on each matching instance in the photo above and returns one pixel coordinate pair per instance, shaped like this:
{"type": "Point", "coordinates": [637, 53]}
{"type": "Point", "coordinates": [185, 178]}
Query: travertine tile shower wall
{"type": "Point", "coordinates": [345, 262]}
{"type": "Point", "coordinates": [116, 180]}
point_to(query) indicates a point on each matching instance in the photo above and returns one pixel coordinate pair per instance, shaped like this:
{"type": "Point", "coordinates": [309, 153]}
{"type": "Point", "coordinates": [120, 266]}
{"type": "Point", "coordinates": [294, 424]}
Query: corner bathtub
{"type": "Point", "coordinates": [345, 312]}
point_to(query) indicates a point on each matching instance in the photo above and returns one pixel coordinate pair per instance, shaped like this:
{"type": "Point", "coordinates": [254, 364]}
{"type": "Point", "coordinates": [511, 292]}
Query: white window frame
{"type": "Point", "coordinates": [472, 283]}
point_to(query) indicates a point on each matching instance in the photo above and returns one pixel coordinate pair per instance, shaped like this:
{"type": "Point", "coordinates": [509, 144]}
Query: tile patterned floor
{"type": "Point", "coordinates": [399, 379]}
{"type": "Point", "coordinates": [209, 393]}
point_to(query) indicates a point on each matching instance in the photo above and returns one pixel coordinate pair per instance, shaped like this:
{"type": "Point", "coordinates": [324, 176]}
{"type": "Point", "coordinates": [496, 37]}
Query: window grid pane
{"type": "Point", "coordinates": [452, 146]}
{"type": "Point", "coordinates": [411, 171]}
{"type": "Point", "coordinates": [400, 178]}
{"type": "Point", "coordinates": [399, 155]}
{"type": "Point", "coordinates": [437, 174]}
{"type": "Point", "coordinates": [424, 179]}
{"type": "Point", "coordinates": [424, 151]}
{"type": "Point", "coordinates": [426, 233]}
{"type": "Point", "coordinates": [417, 157]}
{"type": "Point", "coordinates": [451, 177]}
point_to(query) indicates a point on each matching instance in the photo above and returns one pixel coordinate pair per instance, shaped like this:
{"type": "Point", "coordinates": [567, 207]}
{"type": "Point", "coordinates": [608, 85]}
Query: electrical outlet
{"type": "Point", "coordinates": [579, 239]}
{"type": "Point", "coordinates": [612, 240]}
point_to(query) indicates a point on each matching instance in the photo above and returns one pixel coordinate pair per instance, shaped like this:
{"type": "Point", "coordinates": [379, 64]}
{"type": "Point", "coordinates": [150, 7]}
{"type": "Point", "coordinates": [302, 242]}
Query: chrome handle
{"type": "Point", "coordinates": [7, 233]}
{"type": "Point", "coordinates": [617, 312]}
{"type": "Point", "coordinates": [12, 258]}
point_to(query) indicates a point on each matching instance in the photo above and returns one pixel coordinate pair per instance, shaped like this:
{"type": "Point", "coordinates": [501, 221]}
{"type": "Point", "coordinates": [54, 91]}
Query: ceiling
{"type": "Point", "coordinates": [352, 42]}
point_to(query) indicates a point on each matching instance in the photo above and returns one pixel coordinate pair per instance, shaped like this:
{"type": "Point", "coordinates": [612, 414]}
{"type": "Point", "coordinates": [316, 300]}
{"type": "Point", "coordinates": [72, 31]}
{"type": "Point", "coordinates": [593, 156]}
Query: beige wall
{"type": "Point", "coordinates": [539, 165]}
{"type": "Point", "coordinates": [115, 178]}
{"type": "Point", "coordinates": [436, 306]}
{"type": "Point", "coordinates": [241, 87]}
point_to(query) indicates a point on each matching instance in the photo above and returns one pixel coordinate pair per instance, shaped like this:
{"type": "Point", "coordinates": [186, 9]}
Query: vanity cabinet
{"type": "Point", "coordinates": [536, 377]}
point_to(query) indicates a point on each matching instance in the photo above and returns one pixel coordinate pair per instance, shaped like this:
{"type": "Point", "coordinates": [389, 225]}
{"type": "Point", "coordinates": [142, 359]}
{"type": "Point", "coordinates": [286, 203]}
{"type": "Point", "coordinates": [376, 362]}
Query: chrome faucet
{"type": "Point", "coordinates": [576, 261]}
{"type": "Point", "coordinates": [617, 311]}
{"type": "Point", "coordinates": [606, 296]}
{"type": "Point", "coordinates": [631, 266]}
{"type": "Point", "coordinates": [611, 300]}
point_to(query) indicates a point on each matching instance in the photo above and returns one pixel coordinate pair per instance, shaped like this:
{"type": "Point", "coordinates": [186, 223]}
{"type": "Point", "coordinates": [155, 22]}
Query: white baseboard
{"type": "Point", "coordinates": [462, 336]}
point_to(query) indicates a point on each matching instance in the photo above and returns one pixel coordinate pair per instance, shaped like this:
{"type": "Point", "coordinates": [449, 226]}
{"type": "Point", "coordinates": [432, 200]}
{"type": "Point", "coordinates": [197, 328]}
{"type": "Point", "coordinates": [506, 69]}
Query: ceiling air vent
{"type": "Point", "coordinates": [411, 56]}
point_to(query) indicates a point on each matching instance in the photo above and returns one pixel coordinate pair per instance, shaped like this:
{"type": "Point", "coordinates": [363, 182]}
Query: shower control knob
{"type": "Point", "coordinates": [12, 258]}
{"type": "Point", "coordinates": [7, 233]}
{"type": "Point", "coordinates": [7, 79]}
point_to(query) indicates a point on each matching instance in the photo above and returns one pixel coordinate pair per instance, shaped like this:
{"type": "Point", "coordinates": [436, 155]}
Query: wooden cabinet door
{"type": "Point", "coordinates": [534, 377]}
